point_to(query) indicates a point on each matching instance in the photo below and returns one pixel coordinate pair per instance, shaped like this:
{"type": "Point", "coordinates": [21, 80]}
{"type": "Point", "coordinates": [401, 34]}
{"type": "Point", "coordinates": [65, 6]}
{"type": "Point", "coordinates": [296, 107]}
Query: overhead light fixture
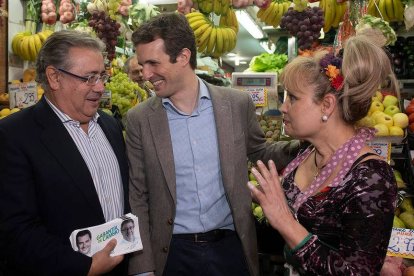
{"type": "Point", "coordinates": [268, 46]}
{"type": "Point", "coordinates": [249, 24]}
{"type": "Point", "coordinates": [231, 54]}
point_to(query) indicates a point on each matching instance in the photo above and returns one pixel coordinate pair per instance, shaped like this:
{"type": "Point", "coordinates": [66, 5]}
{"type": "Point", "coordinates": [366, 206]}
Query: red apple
{"type": "Point", "coordinates": [412, 101]}
{"type": "Point", "coordinates": [411, 118]}
{"type": "Point", "coordinates": [409, 109]}
{"type": "Point", "coordinates": [411, 127]}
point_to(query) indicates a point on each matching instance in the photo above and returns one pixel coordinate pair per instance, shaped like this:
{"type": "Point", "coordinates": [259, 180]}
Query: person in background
{"type": "Point", "coordinates": [187, 149]}
{"type": "Point", "coordinates": [335, 205]}
{"type": "Point", "coordinates": [63, 165]}
{"type": "Point", "coordinates": [84, 242]}
{"type": "Point", "coordinates": [134, 70]}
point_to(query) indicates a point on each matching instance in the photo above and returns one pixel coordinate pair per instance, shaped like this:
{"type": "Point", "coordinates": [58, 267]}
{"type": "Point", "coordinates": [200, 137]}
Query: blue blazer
{"type": "Point", "coordinates": [46, 192]}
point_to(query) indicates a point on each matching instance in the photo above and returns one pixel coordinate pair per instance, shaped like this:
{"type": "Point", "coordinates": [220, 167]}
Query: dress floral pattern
{"type": "Point", "coordinates": [351, 223]}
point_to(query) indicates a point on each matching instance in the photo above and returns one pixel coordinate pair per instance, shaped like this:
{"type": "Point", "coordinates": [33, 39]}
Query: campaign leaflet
{"type": "Point", "coordinates": [124, 229]}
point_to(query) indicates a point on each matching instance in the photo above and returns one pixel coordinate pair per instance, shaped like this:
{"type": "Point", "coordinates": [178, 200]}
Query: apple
{"type": "Point", "coordinates": [411, 118]}
{"type": "Point", "coordinates": [389, 100]}
{"type": "Point", "coordinates": [375, 106]}
{"type": "Point", "coordinates": [384, 119]}
{"type": "Point", "coordinates": [400, 120]}
{"type": "Point", "coordinates": [391, 110]}
{"type": "Point", "coordinates": [382, 130]}
{"type": "Point", "coordinates": [396, 131]}
{"type": "Point", "coordinates": [378, 96]}
{"type": "Point", "coordinates": [367, 121]}
{"type": "Point", "coordinates": [411, 128]}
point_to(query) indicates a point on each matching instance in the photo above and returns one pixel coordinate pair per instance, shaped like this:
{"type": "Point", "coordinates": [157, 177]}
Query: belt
{"type": "Point", "coordinates": [210, 236]}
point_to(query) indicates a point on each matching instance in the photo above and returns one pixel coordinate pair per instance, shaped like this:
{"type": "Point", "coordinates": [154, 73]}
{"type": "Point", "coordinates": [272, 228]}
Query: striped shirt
{"type": "Point", "coordinates": [101, 161]}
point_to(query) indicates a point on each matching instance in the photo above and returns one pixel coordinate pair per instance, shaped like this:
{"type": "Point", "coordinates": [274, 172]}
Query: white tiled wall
{"type": "Point", "coordinates": [16, 24]}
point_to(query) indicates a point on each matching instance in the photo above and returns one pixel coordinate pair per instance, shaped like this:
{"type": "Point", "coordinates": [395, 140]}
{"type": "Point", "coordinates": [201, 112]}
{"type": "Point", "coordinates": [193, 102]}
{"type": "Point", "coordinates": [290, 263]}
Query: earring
{"type": "Point", "coordinates": [324, 118]}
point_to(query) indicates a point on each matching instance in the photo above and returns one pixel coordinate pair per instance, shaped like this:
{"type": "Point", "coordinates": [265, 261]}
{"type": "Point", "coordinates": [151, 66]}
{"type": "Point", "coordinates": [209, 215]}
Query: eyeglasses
{"type": "Point", "coordinates": [89, 80]}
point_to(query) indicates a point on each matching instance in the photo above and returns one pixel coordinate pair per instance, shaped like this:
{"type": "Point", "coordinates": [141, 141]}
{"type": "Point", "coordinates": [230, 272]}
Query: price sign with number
{"type": "Point", "coordinates": [258, 95]}
{"type": "Point", "coordinates": [383, 149]}
{"type": "Point", "coordinates": [22, 95]}
{"type": "Point", "coordinates": [106, 100]}
{"type": "Point", "coordinates": [401, 243]}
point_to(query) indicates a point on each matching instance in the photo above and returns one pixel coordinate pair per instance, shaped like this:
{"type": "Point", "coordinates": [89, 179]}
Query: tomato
{"type": "Point", "coordinates": [409, 109]}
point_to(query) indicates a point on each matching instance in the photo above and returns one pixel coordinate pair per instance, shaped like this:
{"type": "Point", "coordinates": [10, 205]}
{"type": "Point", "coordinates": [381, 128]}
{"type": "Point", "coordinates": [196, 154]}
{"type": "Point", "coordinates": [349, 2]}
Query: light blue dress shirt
{"type": "Point", "coordinates": [201, 200]}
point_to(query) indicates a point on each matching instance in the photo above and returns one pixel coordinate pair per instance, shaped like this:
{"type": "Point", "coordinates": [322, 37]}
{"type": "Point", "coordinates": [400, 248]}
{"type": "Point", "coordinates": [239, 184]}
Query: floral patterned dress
{"type": "Point", "coordinates": [350, 223]}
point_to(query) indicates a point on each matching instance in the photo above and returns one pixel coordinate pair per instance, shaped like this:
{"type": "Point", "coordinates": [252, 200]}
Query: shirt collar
{"type": "Point", "coordinates": [203, 93]}
{"type": "Point", "coordinates": [64, 118]}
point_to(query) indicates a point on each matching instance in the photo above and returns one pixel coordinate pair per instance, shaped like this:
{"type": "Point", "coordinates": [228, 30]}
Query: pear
{"type": "Point", "coordinates": [398, 223]}
{"type": "Point", "coordinates": [408, 219]}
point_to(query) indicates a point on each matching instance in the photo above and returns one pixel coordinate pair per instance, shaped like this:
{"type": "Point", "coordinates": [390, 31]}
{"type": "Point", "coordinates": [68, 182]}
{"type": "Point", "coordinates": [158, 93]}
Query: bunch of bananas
{"type": "Point", "coordinates": [272, 15]}
{"type": "Point", "coordinates": [333, 13]}
{"type": "Point", "coordinates": [230, 20]}
{"type": "Point", "coordinates": [211, 40]}
{"type": "Point", "coordinates": [219, 7]}
{"type": "Point", "coordinates": [391, 10]}
{"type": "Point", "coordinates": [27, 45]}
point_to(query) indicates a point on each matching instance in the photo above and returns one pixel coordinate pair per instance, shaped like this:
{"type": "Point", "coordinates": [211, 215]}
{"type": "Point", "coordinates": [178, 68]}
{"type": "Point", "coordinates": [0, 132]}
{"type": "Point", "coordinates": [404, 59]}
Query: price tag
{"type": "Point", "coordinates": [383, 149]}
{"type": "Point", "coordinates": [401, 243]}
{"type": "Point", "coordinates": [258, 95]}
{"type": "Point", "coordinates": [23, 94]}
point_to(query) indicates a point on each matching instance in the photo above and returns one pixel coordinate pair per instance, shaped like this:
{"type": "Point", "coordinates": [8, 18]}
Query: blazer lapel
{"type": "Point", "coordinates": [58, 141]}
{"type": "Point", "coordinates": [159, 128]}
{"type": "Point", "coordinates": [225, 136]}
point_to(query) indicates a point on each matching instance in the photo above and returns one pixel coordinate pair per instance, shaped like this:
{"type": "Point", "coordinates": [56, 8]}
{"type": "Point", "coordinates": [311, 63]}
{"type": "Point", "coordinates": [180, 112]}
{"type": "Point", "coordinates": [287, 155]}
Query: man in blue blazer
{"type": "Point", "coordinates": [62, 166]}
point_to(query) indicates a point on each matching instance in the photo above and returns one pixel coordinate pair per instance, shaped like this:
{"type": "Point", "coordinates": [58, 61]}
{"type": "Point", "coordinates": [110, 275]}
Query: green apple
{"type": "Point", "coordinates": [398, 223]}
{"type": "Point", "coordinates": [379, 96]}
{"type": "Point", "coordinates": [375, 106]}
{"type": "Point", "coordinates": [384, 119]}
{"type": "Point", "coordinates": [408, 219]}
{"type": "Point", "coordinates": [391, 110]}
{"type": "Point", "coordinates": [367, 121]}
{"type": "Point", "coordinates": [258, 212]}
{"type": "Point", "coordinates": [396, 131]}
{"type": "Point", "coordinates": [390, 100]}
{"type": "Point", "coordinates": [400, 119]}
{"type": "Point", "coordinates": [252, 177]}
{"type": "Point", "coordinates": [382, 130]}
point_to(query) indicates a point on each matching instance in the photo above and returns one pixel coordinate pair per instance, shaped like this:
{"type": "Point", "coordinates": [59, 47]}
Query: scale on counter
{"type": "Point", "coordinates": [262, 87]}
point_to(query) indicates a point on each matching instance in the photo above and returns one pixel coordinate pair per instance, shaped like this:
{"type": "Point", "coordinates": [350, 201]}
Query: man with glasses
{"type": "Point", "coordinates": [62, 166]}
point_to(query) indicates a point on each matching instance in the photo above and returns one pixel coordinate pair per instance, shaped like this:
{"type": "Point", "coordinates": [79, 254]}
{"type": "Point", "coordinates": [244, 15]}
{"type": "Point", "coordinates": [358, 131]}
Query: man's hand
{"type": "Point", "coordinates": [102, 262]}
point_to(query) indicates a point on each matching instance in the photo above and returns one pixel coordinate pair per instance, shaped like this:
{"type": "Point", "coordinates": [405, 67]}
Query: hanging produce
{"type": "Point", "coordinates": [389, 10]}
{"type": "Point", "coordinates": [305, 25]}
{"type": "Point", "coordinates": [140, 13]}
{"type": "Point", "coordinates": [219, 7]}
{"type": "Point", "coordinates": [333, 13]}
{"type": "Point", "coordinates": [48, 12]}
{"type": "Point", "coordinates": [409, 14]}
{"type": "Point", "coordinates": [211, 39]}
{"type": "Point", "coordinates": [272, 14]}
{"type": "Point", "coordinates": [376, 29]}
{"type": "Point", "coordinates": [230, 20]}
{"type": "Point", "coordinates": [27, 45]}
{"type": "Point", "coordinates": [66, 11]}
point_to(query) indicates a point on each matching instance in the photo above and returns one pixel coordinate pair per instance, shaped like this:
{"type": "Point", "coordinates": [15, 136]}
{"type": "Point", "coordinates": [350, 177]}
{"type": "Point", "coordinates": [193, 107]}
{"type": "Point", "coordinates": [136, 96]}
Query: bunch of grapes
{"type": "Point", "coordinates": [113, 6]}
{"type": "Point", "coordinates": [107, 30]}
{"type": "Point", "coordinates": [124, 92]}
{"type": "Point", "coordinates": [305, 25]}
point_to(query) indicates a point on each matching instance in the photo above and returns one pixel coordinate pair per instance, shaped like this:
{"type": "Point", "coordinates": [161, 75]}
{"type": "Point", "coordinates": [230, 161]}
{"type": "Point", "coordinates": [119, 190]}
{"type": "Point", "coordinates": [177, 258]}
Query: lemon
{"type": "Point", "coordinates": [5, 112]}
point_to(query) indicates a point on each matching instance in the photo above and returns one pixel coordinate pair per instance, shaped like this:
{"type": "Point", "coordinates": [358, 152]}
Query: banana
{"type": "Point", "coordinates": [233, 38]}
{"type": "Point", "coordinates": [389, 9]}
{"type": "Point", "coordinates": [226, 40]}
{"type": "Point", "coordinates": [193, 16]}
{"type": "Point", "coordinates": [216, 6]}
{"type": "Point", "coordinates": [32, 48]}
{"type": "Point", "coordinates": [279, 15]}
{"type": "Point", "coordinates": [24, 48]}
{"type": "Point", "coordinates": [272, 16]}
{"type": "Point", "coordinates": [219, 42]}
{"type": "Point", "coordinates": [38, 43]}
{"type": "Point", "coordinates": [398, 10]}
{"type": "Point", "coordinates": [17, 39]}
{"type": "Point", "coordinates": [204, 39]}
{"type": "Point", "coordinates": [339, 13]}
{"type": "Point", "coordinates": [233, 20]}
{"type": "Point", "coordinates": [322, 6]}
{"type": "Point", "coordinates": [372, 8]}
{"type": "Point", "coordinates": [225, 7]}
{"type": "Point", "coordinates": [259, 13]}
{"type": "Point", "coordinates": [211, 41]}
{"type": "Point", "coordinates": [329, 15]}
{"type": "Point", "coordinates": [42, 36]}
{"type": "Point", "coordinates": [286, 6]}
{"type": "Point", "coordinates": [268, 13]}
{"type": "Point", "coordinates": [198, 23]}
{"type": "Point", "coordinates": [381, 6]}
{"type": "Point", "coordinates": [200, 31]}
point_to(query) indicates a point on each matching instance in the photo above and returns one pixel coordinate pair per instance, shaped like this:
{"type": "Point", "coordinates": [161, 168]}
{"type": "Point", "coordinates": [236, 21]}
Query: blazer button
{"type": "Point", "coordinates": [170, 221]}
{"type": "Point", "coordinates": [165, 249]}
